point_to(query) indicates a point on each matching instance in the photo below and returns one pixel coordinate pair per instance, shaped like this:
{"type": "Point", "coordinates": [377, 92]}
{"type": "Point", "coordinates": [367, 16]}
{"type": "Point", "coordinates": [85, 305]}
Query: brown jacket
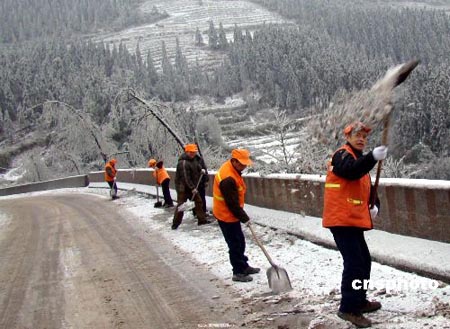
{"type": "Point", "coordinates": [188, 173]}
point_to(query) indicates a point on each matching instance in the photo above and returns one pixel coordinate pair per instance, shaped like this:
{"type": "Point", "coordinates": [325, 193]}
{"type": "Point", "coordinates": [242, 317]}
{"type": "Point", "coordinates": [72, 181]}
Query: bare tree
{"type": "Point", "coordinates": [281, 150]}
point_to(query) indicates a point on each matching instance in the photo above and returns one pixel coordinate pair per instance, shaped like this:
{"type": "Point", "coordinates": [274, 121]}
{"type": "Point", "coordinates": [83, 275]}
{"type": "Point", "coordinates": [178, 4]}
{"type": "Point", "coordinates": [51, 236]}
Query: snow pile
{"type": "Point", "coordinates": [408, 300]}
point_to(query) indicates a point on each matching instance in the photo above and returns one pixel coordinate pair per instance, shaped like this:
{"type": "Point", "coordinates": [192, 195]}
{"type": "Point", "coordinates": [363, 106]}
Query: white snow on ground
{"type": "Point", "coordinates": [415, 301]}
{"type": "Point", "coordinates": [13, 174]}
{"type": "Point", "coordinates": [204, 103]}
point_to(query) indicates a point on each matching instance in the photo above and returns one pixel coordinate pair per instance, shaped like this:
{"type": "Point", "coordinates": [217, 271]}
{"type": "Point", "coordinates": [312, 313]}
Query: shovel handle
{"type": "Point", "coordinates": [196, 186]}
{"type": "Point", "coordinates": [193, 194]}
{"type": "Point", "coordinates": [384, 141]}
{"type": "Point", "coordinates": [261, 246]}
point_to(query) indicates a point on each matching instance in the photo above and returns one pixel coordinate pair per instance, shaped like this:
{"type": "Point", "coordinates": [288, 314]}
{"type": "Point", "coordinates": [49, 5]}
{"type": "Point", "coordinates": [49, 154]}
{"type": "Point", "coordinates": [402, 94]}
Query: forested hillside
{"type": "Point", "coordinates": [335, 48]}
{"type": "Point", "coordinates": [342, 45]}
{"type": "Point", "coordinates": [25, 20]}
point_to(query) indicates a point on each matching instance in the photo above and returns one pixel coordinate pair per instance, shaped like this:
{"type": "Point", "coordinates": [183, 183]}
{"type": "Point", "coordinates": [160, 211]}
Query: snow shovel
{"type": "Point", "coordinates": [158, 204]}
{"type": "Point", "coordinates": [277, 276]}
{"type": "Point", "coordinates": [113, 191]}
{"type": "Point", "coordinates": [393, 79]}
{"type": "Point", "coordinates": [190, 204]}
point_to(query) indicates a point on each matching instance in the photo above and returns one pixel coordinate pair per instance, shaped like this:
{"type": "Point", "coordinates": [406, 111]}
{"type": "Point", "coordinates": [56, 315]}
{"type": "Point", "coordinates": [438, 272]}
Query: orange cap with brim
{"type": "Point", "coordinates": [190, 148]}
{"type": "Point", "coordinates": [242, 155]}
{"type": "Point", "coordinates": [355, 127]}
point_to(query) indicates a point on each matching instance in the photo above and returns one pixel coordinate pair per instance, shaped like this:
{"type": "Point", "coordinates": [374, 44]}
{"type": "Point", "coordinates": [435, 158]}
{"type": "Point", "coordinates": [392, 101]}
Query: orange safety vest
{"type": "Point", "coordinates": [160, 175]}
{"type": "Point", "coordinates": [346, 202]}
{"type": "Point", "coordinates": [107, 177]}
{"type": "Point", "coordinates": [220, 208]}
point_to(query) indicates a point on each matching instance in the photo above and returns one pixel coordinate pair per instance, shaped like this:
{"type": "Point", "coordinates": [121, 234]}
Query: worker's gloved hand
{"type": "Point", "coordinates": [203, 171]}
{"type": "Point", "coordinates": [380, 152]}
{"type": "Point", "coordinates": [244, 219]}
{"type": "Point", "coordinates": [373, 212]}
{"type": "Point", "coordinates": [194, 191]}
{"type": "Point", "coordinates": [115, 178]}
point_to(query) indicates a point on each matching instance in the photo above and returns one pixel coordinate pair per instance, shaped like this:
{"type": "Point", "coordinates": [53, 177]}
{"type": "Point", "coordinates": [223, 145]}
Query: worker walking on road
{"type": "Point", "coordinates": [163, 179]}
{"type": "Point", "coordinates": [228, 207]}
{"type": "Point", "coordinates": [110, 176]}
{"type": "Point", "coordinates": [187, 178]}
{"type": "Point", "coordinates": [348, 213]}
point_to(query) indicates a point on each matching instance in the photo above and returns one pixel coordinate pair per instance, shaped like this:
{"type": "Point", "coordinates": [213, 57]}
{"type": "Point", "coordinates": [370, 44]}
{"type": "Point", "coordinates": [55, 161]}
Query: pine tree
{"type": "Point", "coordinates": [213, 39]}
{"type": "Point", "coordinates": [222, 42]}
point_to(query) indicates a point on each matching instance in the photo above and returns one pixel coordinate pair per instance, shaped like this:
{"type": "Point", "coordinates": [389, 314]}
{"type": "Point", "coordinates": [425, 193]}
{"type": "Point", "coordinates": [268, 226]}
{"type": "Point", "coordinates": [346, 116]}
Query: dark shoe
{"type": "Point", "coordinates": [371, 307]}
{"type": "Point", "coordinates": [241, 277]}
{"type": "Point", "coordinates": [252, 270]}
{"type": "Point", "coordinates": [204, 222]}
{"type": "Point", "coordinates": [356, 318]}
{"type": "Point", "coordinates": [175, 225]}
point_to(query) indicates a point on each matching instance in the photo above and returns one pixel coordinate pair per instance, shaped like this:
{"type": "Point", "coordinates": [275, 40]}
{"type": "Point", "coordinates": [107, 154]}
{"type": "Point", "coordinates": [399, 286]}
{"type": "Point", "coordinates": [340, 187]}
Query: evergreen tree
{"type": "Point", "coordinates": [213, 39]}
{"type": "Point", "coordinates": [222, 42]}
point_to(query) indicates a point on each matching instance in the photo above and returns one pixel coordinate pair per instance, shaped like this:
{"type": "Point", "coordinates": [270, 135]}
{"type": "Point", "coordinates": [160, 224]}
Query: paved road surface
{"type": "Point", "coordinates": [71, 261]}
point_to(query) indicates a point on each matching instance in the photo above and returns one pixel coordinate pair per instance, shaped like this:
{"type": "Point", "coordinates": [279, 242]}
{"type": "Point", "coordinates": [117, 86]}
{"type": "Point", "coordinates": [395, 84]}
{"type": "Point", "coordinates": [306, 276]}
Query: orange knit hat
{"type": "Point", "coordinates": [355, 127]}
{"type": "Point", "coordinates": [191, 148]}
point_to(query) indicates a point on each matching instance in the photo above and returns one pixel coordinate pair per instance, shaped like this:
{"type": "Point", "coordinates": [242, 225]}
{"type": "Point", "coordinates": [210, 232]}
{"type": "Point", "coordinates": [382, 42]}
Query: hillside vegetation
{"type": "Point", "coordinates": [78, 94]}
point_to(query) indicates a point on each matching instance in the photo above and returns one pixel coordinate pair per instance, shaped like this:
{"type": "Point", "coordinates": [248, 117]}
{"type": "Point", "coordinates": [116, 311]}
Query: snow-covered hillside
{"type": "Point", "coordinates": [185, 16]}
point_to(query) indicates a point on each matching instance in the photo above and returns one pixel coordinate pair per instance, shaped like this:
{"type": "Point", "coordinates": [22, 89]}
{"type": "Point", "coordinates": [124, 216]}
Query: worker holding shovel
{"type": "Point", "coordinates": [188, 175]}
{"type": "Point", "coordinates": [110, 177]}
{"type": "Point", "coordinates": [228, 207]}
{"type": "Point", "coordinates": [162, 179]}
{"type": "Point", "coordinates": [348, 213]}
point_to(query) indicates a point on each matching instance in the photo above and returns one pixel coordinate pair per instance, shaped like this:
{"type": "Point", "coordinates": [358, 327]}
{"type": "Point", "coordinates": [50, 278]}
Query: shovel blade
{"type": "Point", "coordinates": [158, 204]}
{"type": "Point", "coordinates": [186, 206]}
{"type": "Point", "coordinates": [278, 279]}
{"type": "Point", "coordinates": [405, 70]}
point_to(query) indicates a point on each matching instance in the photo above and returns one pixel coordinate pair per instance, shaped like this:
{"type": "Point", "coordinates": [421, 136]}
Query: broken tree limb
{"type": "Point", "coordinates": [158, 117]}
{"type": "Point", "coordinates": [88, 123]}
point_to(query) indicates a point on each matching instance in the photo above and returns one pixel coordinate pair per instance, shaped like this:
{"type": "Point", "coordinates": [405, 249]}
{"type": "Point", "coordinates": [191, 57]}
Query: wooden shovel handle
{"type": "Point", "coordinates": [384, 141]}
{"type": "Point", "coordinates": [260, 245]}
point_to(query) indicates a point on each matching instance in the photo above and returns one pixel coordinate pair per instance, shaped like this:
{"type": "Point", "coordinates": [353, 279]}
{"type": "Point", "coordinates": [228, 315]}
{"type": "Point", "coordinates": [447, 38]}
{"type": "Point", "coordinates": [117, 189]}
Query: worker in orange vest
{"type": "Point", "coordinates": [110, 176]}
{"type": "Point", "coordinates": [348, 213]}
{"type": "Point", "coordinates": [228, 207]}
{"type": "Point", "coordinates": [163, 179]}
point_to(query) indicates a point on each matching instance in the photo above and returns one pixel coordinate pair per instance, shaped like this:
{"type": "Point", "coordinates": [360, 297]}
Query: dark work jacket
{"type": "Point", "coordinates": [188, 173]}
{"type": "Point", "coordinates": [205, 178]}
{"type": "Point", "coordinates": [345, 166]}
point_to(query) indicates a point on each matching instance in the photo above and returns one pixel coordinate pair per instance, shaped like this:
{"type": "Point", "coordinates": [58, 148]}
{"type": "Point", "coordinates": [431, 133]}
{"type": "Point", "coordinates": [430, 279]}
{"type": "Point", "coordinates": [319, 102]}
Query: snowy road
{"type": "Point", "coordinates": [137, 259]}
{"type": "Point", "coordinates": [70, 261]}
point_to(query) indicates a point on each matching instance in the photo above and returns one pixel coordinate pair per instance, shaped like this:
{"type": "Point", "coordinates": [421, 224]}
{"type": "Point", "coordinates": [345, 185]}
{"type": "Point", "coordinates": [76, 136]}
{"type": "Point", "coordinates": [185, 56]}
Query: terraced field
{"type": "Point", "coordinates": [184, 18]}
{"type": "Point", "coordinates": [247, 128]}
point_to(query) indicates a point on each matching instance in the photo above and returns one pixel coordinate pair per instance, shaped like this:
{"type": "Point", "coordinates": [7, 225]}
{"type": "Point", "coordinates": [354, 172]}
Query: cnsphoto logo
{"type": "Point", "coordinates": [397, 285]}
